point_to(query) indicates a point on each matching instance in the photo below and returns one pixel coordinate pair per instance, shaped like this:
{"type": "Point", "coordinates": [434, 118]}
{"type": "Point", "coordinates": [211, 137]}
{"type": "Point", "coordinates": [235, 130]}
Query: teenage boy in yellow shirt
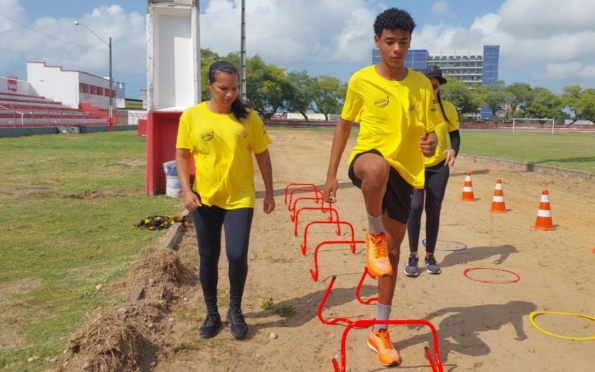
{"type": "Point", "coordinates": [392, 104]}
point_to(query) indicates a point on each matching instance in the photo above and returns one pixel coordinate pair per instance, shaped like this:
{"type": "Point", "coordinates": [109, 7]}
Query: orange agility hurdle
{"type": "Point", "coordinates": [300, 187]}
{"type": "Point", "coordinates": [318, 194]}
{"type": "Point", "coordinates": [333, 215]}
{"type": "Point", "coordinates": [338, 231]}
{"type": "Point", "coordinates": [352, 243]}
{"type": "Point", "coordinates": [305, 186]}
{"type": "Point", "coordinates": [434, 360]}
{"type": "Point", "coordinates": [292, 207]}
{"type": "Point", "coordinates": [359, 287]}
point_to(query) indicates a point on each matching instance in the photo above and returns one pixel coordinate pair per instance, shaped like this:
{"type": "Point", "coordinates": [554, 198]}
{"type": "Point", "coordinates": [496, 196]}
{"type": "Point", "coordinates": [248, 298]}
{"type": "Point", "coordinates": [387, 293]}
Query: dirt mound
{"type": "Point", "coordinates": [130, 336]}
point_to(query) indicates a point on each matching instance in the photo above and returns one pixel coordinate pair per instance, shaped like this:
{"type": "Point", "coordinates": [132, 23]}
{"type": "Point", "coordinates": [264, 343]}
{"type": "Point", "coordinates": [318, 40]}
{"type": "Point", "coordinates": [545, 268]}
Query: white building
{"type": "Point", "coordinates": [70, 87]}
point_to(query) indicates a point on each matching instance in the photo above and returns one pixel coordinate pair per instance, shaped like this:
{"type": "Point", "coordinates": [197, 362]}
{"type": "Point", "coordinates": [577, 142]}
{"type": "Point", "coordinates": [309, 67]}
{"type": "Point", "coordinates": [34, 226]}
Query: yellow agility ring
{"type": "Point", "coordinates": [535, 313]}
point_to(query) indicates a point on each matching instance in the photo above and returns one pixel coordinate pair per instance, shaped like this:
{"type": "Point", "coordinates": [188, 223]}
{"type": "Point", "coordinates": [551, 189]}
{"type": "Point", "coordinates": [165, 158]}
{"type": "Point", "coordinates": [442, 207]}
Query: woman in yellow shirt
{"type": "Point", "coordinates": [446, 122]}
{"type": "Point", "coordinates": [221, 134]}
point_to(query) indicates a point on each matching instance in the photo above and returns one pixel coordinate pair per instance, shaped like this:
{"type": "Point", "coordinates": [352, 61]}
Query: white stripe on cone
{"type": "Point", "coordinates": [544, 213]}
{"type": "Point", "coordinates": [499, 199]}
{"type": "Point", "coordinates": [467, 189]}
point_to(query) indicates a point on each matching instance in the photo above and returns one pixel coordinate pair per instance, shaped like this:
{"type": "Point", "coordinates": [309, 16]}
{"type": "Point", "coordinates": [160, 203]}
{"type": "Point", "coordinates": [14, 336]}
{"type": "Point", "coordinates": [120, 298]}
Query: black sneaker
{"type": "Point", "coordinates": [432, 266]}
{"type": "Point", "coordinates": [210, 326]}
{"type": "Point", "coordinates": [411, 268]}
{"type": "Point", "coordinates": [239, 328]}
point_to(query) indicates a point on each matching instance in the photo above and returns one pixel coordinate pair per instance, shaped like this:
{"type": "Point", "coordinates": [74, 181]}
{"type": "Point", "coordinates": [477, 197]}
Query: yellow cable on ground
{"type": "Point", "coordinates": [535, 313]}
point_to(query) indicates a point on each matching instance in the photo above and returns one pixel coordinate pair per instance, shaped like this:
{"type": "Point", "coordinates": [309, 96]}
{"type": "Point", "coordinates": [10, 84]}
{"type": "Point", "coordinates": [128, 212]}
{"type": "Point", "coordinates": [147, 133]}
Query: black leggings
{"type": "Point", "coordinates": [435, 187]}
{"type": "Point", "coordinates": [208, 222]}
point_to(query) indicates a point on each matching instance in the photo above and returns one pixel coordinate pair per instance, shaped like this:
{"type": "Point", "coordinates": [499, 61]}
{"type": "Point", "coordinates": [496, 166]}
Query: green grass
{"type": "Point", "coordinates": [68, 204]}
{"type": "Point", "coordinates": [566, 150]}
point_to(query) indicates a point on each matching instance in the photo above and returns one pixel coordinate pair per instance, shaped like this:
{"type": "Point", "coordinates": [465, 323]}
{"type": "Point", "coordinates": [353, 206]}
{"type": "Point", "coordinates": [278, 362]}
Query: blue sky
{"type": "Point", "coordinates": [546, 43]}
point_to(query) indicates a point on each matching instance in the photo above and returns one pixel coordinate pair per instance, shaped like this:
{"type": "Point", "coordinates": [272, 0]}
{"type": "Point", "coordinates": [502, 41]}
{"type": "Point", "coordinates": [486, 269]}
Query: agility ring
{"type": "Point", "coordinates": [447, 241]}
{"type": "Point", "coordinates": [517, 276]}
{"type": "Point", "coordinates": [536, 313]}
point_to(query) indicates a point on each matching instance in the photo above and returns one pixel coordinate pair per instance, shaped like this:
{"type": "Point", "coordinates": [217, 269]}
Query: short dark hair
{"type": "Point", "coordinates": [238, 108]}
{"type": "Point", "coordinates": [393, 19]}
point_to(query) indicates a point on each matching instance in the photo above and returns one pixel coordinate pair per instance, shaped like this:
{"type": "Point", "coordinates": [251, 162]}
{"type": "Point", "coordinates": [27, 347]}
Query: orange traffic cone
{"type": "Point", "coordinates": [544, 214]}
{"type": "Point", "coordinates": [498, 205]}
{"type": "Point", "coordinates": [468, 189]}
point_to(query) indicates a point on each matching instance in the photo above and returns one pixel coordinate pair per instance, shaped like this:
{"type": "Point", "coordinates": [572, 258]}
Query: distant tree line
{"type": "Point", "coordinates": [270, 88]}
{"type": "Point", "coordinates": [520, 100]}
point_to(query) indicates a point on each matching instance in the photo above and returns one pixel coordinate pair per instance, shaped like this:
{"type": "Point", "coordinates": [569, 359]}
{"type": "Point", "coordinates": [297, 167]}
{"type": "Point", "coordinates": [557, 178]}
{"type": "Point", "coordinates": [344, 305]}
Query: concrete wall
{"type": "Point", "coordinates": [173, 57]}
{"type": "Point", "coordinates": [14, 86]}
{"type": "Point", "coordinates": [58, 84]}
{"type": "Point", "coordinates": [101, 101]}
{"type": "Point", "coordinates": [19, 132]}
{"type": "Point", "coordinates": [54, 83]}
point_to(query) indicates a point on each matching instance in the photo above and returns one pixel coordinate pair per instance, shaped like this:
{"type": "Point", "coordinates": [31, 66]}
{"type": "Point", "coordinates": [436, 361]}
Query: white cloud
{"type": "Point", "coordinates": [546, 18]}
{"type": "Point", "coordinates": [12, 9]}
{"type": "Point", "coordinates": [569, 70]}
{"type": "Point", "coordinates": [284, 31]}
{"type": "Point", "coordinates": [72, 46]}
{"type": "Point", "coordinates": [547, 34]}
{"type": "Point", "coordinates": [442, 9]}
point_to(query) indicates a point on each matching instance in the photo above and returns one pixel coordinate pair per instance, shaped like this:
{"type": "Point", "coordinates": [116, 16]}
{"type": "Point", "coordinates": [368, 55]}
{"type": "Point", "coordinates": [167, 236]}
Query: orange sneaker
{"type": "Point", "coordinates": [381, 344]}
{"type": "Point", "coordinates": [377, 255]}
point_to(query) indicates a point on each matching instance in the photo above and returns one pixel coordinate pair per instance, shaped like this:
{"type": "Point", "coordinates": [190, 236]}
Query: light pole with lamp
{"type": "Point", "coordinates": [111, 80]}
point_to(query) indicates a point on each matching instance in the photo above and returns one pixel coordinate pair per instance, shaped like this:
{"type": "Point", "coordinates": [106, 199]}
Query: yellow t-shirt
{"type": "Point", "coordinates": [442, 128]}
{"type": "Point", "coordinates": [392, 115]}
{"type": "Point", "coordinates": [222, 148]}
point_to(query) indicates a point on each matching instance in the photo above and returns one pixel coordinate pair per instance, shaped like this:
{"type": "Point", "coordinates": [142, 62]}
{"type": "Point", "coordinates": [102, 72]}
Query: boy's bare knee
{"type": "Point", "coordinates": [373, 169]}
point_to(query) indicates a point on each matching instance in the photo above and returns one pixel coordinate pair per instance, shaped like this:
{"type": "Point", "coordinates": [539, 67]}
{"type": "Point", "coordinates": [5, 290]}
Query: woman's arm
{"type": "Point", "coordinates": [191, 201]}
{"type": "Point", "coordinates": [266, 169]}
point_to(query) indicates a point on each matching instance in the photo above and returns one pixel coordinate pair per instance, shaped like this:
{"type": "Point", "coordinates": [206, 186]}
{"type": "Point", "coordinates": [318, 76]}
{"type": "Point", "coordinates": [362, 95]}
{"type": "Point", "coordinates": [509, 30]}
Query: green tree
{"type": "Point", "coordinates": [545, 104]}
{"type": "Point", "coordinates": [327, 92]}
{"type": "Point", "coordinates": [519, 94]}
{"type": "Point", "coordinates": [586, 105]}
{"type": "Point", "coordinates": [207, 58]}
{"type": "Point", "coordinates": [457, 93]}
{"type": "Point", "coordinates": [256, 74]}
{"type": "Point", "coordinates": [299, 93]}
{"type": "Point", "coordinates": [273, 90]}
{"type": "Point", "coordinates": [570, 96]}
{"type": "Point", "coordinates": [494, 96]}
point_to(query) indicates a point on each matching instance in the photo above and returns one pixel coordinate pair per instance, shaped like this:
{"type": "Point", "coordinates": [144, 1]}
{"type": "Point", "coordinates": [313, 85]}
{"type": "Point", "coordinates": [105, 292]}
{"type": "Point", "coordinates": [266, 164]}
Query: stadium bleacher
{"type": "Point", "coordinates": [20, 110]}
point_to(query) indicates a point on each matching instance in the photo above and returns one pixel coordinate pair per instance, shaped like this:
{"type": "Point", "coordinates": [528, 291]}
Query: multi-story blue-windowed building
{"type": "Point", "coordinates": [471, 66]}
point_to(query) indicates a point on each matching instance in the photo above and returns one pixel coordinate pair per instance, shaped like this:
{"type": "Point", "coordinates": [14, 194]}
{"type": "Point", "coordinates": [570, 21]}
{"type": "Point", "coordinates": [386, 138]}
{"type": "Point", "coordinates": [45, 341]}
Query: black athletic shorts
{"type": "Point", "coordinates": [397, 198]}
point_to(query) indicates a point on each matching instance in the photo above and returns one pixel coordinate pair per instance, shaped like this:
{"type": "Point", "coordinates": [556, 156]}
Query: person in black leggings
{"type": "Point", "coordinates": [446, 122]}
{"type": "Point", "coordinates": [222, 134]}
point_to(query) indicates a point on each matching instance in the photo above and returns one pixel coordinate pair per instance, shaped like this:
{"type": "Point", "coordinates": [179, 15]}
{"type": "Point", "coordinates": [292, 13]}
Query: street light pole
{"type": "Point", "coordinates": [111, 79]}
{"type": "Point", "coordinates": [111, 88]}
{"type": "Point", "coordinates": [243, 54]}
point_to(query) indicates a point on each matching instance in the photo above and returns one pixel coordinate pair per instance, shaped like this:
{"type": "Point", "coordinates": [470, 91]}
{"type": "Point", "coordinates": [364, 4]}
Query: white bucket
{"type": "Point", "coordinates": [172, 186]}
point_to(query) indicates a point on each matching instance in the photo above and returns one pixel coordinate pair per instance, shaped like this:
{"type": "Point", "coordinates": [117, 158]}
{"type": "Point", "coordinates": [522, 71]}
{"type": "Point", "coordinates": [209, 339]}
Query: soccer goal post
{"type": "Point", "coordinates": [533, 124]}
